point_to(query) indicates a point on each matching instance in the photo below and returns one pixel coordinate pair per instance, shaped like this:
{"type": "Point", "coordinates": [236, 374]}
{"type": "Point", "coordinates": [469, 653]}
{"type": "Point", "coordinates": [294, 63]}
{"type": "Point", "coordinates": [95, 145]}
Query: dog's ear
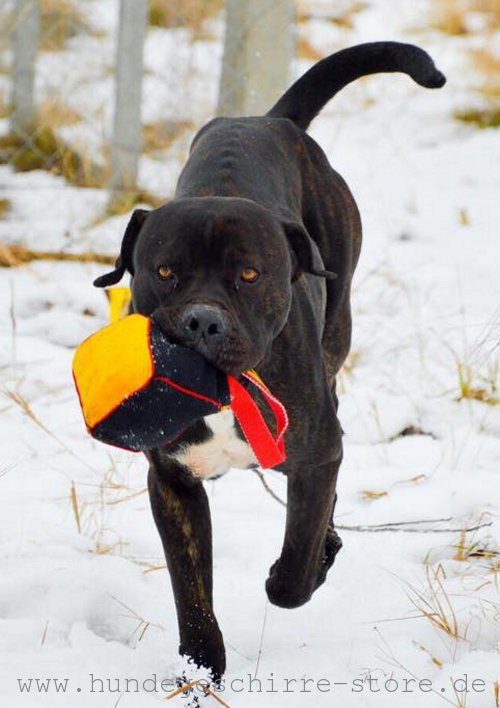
{"type": "Point", "coordinates": [305, 252]}
{"type": "Point", "coordinates": [124, 261]}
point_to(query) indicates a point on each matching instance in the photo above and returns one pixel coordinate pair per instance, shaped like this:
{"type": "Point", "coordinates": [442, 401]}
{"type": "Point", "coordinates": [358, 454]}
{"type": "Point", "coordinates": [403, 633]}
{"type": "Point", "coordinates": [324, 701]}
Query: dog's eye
{"type": "Point", "coordinates": [249, 274]}
{"type": "Point", "coordinates": [165, 273]}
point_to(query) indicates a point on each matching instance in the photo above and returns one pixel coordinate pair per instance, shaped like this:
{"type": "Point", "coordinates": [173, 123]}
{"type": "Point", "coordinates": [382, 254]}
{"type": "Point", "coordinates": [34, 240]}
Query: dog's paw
{"type": "Point", "coordinates": [284, 586]}
{"type": "Point", "coordinates": [283, 591]}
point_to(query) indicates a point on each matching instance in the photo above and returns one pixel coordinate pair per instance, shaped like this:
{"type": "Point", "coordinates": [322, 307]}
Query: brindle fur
{"type": "Point", "coordinates": [260, 188]}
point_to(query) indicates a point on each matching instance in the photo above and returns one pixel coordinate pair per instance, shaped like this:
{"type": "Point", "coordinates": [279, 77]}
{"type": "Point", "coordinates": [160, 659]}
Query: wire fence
{"type": "Point", "coordinates": [101, 98]}
{"type": "Point", "coordinates": [99, 95]}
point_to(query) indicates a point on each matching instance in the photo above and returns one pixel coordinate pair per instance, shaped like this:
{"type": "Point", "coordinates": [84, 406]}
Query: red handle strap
{"type": "Point", "coordinates": [268, 450]}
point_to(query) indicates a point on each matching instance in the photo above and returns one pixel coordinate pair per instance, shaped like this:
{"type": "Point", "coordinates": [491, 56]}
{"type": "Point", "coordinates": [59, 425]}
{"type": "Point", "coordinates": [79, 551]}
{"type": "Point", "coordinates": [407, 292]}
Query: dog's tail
{"type": "Point", "coordinates": [304, 100]}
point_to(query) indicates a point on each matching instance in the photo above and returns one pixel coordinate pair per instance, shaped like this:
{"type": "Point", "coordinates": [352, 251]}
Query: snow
{"type": "Point", "coordinates": [92, 596]}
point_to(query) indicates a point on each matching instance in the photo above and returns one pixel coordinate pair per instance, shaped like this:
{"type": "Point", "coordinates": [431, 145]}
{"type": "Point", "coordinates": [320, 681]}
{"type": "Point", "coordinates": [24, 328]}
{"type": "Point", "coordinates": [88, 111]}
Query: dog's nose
{"type": "Point", "coordinates": [204, 322]}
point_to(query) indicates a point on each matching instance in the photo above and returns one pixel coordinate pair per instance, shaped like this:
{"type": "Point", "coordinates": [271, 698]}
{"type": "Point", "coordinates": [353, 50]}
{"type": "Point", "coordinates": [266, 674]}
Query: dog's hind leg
{"type": "Point", "coordinates": [182, 515]}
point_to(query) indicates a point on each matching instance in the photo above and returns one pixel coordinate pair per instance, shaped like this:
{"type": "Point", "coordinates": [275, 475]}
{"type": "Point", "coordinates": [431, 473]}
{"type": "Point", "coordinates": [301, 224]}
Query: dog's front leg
{"type": "Point", "coordinates": [310, 543]}
{"type": "Point", "coordinates": [182, 516]}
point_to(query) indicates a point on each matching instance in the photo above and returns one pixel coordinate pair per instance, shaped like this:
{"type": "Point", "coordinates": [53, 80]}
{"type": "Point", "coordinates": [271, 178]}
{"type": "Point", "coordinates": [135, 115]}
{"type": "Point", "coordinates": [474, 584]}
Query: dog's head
{"type": "Point", "coordinates": [216, 274]}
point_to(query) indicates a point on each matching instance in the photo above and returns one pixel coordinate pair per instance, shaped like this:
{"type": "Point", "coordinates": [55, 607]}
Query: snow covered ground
{"type": "Point", "coordinates": [402, 615]}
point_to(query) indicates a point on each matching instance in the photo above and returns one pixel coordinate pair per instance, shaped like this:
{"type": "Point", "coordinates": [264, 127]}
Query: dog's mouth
{"type": "Point", "coordinates": [218, 341]}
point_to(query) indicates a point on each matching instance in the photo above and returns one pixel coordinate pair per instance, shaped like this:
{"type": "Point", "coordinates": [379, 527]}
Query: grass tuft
{"type": "Point", "coordinates": [183, 13]}
{"type": "Point", "coordinates": [305, 50]}
{"type": "Point", "coordinates": [123, 202]}
{"type": "Point", "coordinates": [4, 207]}
{"type": "Point", "coordinates": [487, 393]}
{"type": "Point", "coordinates": [12, 256]}
{"type": "Point", "coordinates": [434, 604]}
{"type": "Point", "coordinates": [43, 150]}
{"type": "Point", "coordinates": [487, 68]}
{"type": "Point", "coordinates": [452, 16]}
{"type": "Point", "coordinates": [449, 17]}
{"type": "Point", "coordinates": [54, 114]}
{"type": "Point", "coordinates": [5, 108]}
{"type": "Point", "coordinates": [160, 136]}
{"type": "Point", "coordinates": [60, 21]}
{"type": "Point", "coordinates": [486, 61]}
{"type": "Point", "coordinates": [340, 16]}
{"type": "Point", "coordinates": [470, 549]}
{"type": "Point", "coordinates": [482, 118]}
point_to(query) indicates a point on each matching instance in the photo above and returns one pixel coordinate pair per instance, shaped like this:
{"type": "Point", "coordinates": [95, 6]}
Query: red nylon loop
{"type": "Point", "coordinates": [268, 450]}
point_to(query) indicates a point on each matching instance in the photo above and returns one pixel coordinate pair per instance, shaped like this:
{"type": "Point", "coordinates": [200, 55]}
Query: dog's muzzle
{"type": "Point", "coordinates": [208, 329]}
{"type": "Point", "coordinates": [203, 327]}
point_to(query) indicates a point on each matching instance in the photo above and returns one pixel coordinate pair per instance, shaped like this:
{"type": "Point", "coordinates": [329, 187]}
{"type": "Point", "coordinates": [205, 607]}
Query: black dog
{"type": "Point", "coordinates": [251, 265]}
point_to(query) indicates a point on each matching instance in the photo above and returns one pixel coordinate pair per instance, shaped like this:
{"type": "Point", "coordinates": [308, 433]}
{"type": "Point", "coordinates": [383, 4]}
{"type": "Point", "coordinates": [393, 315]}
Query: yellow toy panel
{"type": "Point", "coordinates": [101, 360]}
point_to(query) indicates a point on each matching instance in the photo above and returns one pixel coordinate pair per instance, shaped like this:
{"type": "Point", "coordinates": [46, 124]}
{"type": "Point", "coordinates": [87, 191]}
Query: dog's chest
{"type": "Point", "coordinates": [223, 450]}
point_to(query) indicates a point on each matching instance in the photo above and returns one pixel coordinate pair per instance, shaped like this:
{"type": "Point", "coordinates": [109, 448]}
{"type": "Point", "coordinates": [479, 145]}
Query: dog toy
{"type": "Point", "coordinates": [138, 390]}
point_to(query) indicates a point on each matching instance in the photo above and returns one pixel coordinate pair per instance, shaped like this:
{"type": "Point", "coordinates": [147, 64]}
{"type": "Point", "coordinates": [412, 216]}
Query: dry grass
{"type": "Point", "coordinates": [305, 50]}
{"type": "Point", "coordinates": [17, 399]}
{"type": "Point", "coordinates": [54, 114]}
{"type": "Point", "coordinates": [343, 17]}
{"type": "Point", "coordinates": [467, 550]}
{"type": "Point", "coordinates": [91, 513]}
{"type": "Point", "coordinates": [490, 9]}
{"type": "Point", "coordinates": [486, 62]}
{"type": "Point", "coordinates": [463, 216]}
{"type": "Point", "coordinates": [373, 494]}
{"type": "Point", "coordinates": [44, 150]}
{"type": "Point", "coordinates": [483, 388]}
{"type": "Point", "coordinates": [188, 687]}
{"type": "Point", "coordinates": [4, 207]}
{"type": "Point", "coordinates": [160, 136]}
{"type": "Point", "coordinates": [13, 256]}
{"type": "Point", "coordinates": [23, 404]}
{"type": "Point", "coordinates": [487, 85]}
{"type": "Point", "coordinates": [122, 202]}
{"type": "Point", "coordinates": [60, 21]}
{"type": "Point", "coordinates": [142, 624]}
{"type": "Point", "coordinates": [437, 662]}
{"type": "Point", "coordinates": [183, 13]}
{"type": "Point", "coordinates": [460, 697]}
{"type": "Point", "coordinates": [4, 106]}
{"type": "Point", "coordinates": [451, 16]}
{"type": "Point", "coordinates": [75, 506]}
{"type": "Point", "coordinates": [482, 118]}
{"type": "Point", "coordinates": [154, 568]}
{"type": "Point", "coordinates": [434, 604]}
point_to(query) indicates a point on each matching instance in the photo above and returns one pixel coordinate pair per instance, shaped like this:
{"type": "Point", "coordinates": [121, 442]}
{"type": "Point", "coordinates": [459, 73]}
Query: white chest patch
{"type": "Point", "coordinates": [217, 455]}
